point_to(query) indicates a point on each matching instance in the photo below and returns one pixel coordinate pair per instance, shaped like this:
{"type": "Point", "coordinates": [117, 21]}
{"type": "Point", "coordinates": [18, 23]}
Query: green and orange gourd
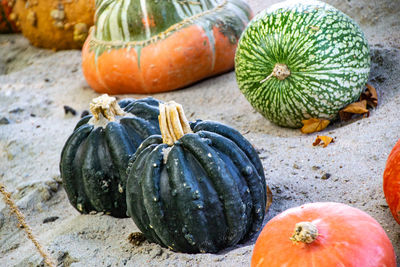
{"type": "Point", "coordinates": [148, 46]}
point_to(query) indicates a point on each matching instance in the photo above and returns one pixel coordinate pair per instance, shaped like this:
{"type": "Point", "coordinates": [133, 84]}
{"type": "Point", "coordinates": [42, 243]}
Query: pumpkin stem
{"type": "Point", "coordinates": [107, 106]}
{"type": "Point", "coordinates": [280, 71]}
{"type": "Point", "coordinates": [173, 122]}
{"type": "Point", "coordinates": [305, 232]}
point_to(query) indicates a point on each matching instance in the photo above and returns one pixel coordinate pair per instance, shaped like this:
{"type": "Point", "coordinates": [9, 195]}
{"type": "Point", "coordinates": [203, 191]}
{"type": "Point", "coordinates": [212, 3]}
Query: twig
{"type": "Point", "coordinates": [21, 219]}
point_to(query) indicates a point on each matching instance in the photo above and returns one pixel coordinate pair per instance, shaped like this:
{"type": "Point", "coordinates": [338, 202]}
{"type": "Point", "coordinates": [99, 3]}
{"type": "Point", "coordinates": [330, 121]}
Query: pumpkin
{"type": "Point", "coordinates": [198, 188]}
{"type": "Point", "coordinates": [95, 157]}
{"type": "Point", "coordinates": [391, 181]}
{"type": "Point", "coordinates": [152, 46]}
{"type": "Point", "coordinates": [323, 234]}
{"type": "Point", "coordinates": [7, 18]}
{"type": "Point", "coordinates": [57, 24]}
{"type": "Point", "coordinates": [301, 59]}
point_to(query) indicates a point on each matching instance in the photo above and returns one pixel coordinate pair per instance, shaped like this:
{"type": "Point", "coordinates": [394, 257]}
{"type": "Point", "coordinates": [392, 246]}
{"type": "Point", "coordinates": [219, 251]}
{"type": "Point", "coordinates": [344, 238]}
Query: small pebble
{"type": "Point", "coordinates": [295, 166]}
{"type": "Point", "coordinates": [4, 121]}
{"type": "Point", "coordinates": [68, 109]}
{"type": "Point", "coordinates": [326, 176]}
{"type": "Point", "coordinates": [315, 168]}
{"type": "Point", "coordinates": [50, 219]}
{"type": "Point", "coordinates": [16, 110]}
{"type": "Point", "coordinates": [136, 238]}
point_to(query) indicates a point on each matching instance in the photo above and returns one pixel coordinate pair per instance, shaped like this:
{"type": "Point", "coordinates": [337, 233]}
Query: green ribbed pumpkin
{"type": "Point", "coordinates": [95, 157]}
{"type": "Point", "coordinates": [201, 191]}
{"type": "Point", "coordinates": [301, 59]}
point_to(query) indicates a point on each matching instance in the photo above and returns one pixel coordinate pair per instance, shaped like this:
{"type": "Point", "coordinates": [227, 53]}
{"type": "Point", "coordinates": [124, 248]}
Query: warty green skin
{"type": "Point", "coordinates": [205, 195]}
{"type": "Point", "coordinates": [325, 50]}
{"type": "Point", "coordinates": [138, 23]}
{"type": "Point", "coordinates": [94, 158]}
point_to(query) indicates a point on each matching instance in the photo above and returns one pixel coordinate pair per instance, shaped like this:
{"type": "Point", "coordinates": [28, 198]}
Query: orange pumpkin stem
{"type": "Point", "coordinates": [106, 106]}
{"type": "Point", "coordinates": [305, 232]}
{"type": "Point", "coordinates": [173, 122]}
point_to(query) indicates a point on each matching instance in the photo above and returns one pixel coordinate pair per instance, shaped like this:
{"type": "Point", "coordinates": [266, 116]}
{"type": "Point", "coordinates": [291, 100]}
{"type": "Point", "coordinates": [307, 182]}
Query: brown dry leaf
{"type": "Point", "coordinates": [354, 108]}
{"type": "Point", "coordinates": [269, 199]}
{"type": "Point", "coordinates": [370, 95]}
{"type": "Point", "coordinates": [325, 139]}
{"type": "Point", "coordinates": [314, 125]}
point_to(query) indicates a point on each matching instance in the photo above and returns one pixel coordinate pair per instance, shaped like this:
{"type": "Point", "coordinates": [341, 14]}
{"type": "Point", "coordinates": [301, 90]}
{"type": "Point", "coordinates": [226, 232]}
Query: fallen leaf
{"type": "Point", "coordinates": [325, 139]}
{"type": "Point", "coordinates": [269, 199]}
{"type": "Point", "coordinates": [354, 108]}
{"type": "Point", "coordinates": [370, 95]}
{"type": "Point", "coordinates": [314, 125]}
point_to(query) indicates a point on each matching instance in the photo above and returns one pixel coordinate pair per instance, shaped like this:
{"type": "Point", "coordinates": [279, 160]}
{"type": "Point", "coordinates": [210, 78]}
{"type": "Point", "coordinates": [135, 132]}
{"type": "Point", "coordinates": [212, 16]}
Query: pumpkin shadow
{"type": "Point", "coordinates": [17, 54]}
{"type": "Point", "coordinates": [384, 77]}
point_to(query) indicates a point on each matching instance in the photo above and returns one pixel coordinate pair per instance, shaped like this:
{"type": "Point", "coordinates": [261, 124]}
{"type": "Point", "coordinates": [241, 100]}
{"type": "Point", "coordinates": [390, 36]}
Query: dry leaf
{"type": "Point", "coordinates": [314, 125]}
{"type": "Point", "coordinates": [269, 199]}
{"type": "Point", "coordinates": [354, 108]}
{"type": "Point", "coordinates": [370, 95]}
{"type": "Point", "coordinates": [325, 139]}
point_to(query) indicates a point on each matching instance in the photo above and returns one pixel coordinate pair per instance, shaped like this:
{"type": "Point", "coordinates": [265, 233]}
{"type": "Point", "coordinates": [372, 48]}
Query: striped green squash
{"type": "Point", "coordinates": [149, 46]}
{"type": "Point", "coordinates": [301, 59]}
{"type": "Point", "coordinates": [138, 23]}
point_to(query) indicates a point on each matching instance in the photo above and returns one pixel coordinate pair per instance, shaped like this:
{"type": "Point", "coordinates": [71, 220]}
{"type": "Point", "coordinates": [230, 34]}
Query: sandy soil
{"type": "Point", "coordinates": [35, 84]}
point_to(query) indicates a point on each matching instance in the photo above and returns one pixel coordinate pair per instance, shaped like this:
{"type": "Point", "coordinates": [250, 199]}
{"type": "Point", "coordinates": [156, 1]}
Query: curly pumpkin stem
{"type": "Point", "coordinates": [107, 106]}
{"type": "Point", "coordinates": [173, 122]}
{"type": "Point", "coordinates": [305, 232]}
{"type": "Point", "coordinates": [280, 71]}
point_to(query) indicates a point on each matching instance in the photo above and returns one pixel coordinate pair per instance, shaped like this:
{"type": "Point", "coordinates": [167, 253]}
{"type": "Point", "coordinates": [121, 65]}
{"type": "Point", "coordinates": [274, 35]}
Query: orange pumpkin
{"type": "Point", "coordinates": [55, 24]}
{"type": "Point", "coordinates": [391, 181]}
{"type": "Point", "coordinates": [152, 46]}
{"type": "Point", "coordinates": [7, 23]}
{"type": "Point", "coordinates": [323, 234]}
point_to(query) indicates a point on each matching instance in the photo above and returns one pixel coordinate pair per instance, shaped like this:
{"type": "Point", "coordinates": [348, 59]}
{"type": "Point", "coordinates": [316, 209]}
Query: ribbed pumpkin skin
{"type": "Point", "coordinates": [94, 158]}
{"type": "Point", "coordinates": [41, 28]}
{"type": "Point", "coordinates": [325, 50]}
{"type": "Point", "coordinates": [6, 24]}
{"type": "Point", "coordinates": [147, 46]}
{"type": "Point", "coordinates": [347, 237]}
{"type": "Point", "coordinates": [209, 193]}
{"type": "Point", "coordinates": [391, 181]}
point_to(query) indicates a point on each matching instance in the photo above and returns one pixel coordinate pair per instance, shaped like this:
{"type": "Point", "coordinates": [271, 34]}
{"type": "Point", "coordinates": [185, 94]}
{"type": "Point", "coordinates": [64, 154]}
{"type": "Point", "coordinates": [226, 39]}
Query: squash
{"type": "Point", "coordinates": [147, 46]}
{"type": "Point", "coordinates": [323, 234]}
{"type": "Point", "coordinates": [391, 181]}
{"type": "Point", "coordinates": [57, 24]}
{"type": "Point", "coordinates": [95, 157]}
{"type": "Point", "coordinates": [301, 59]}
{"type": "Point", "coordinates": [7, 23]}
{"type": "Point", "coordinates": [198, 188]}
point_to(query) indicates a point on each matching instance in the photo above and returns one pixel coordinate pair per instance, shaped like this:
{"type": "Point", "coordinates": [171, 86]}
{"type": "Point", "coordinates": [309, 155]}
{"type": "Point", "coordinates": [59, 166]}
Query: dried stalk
{"type": "Point", "coordinates": [21, 219]}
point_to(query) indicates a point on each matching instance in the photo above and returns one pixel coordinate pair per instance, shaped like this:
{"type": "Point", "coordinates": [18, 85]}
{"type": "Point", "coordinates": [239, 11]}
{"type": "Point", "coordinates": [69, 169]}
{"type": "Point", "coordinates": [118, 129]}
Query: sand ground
{"type": "Point", "coordinates": [35, 84]}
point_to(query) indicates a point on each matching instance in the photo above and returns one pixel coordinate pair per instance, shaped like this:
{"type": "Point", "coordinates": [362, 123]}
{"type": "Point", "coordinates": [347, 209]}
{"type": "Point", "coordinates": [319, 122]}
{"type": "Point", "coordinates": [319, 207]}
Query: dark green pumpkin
{"type": "Point", "coordinates": [95, 157]}
{"type": "Point", "coordinates": [204, 193]}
